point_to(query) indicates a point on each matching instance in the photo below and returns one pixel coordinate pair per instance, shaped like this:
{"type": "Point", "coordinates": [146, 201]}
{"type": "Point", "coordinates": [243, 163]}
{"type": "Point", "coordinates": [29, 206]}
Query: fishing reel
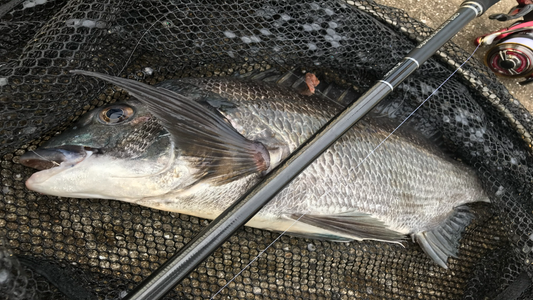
{"type": "Point", "coordinates": [512, 52]}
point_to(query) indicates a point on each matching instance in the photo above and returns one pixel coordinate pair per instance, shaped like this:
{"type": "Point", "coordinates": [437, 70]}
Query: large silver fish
{"type": "Point", "coordinates": [194, 146]}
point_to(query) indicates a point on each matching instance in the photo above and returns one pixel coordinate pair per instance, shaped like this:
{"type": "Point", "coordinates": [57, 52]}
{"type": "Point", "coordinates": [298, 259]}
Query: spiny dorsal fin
{"type": "Point", "coordinates": [221, 153]}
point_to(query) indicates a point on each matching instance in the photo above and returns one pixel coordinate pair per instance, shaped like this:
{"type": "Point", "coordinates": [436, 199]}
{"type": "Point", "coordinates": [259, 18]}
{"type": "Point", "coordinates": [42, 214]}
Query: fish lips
{"type": "Point", "coordinates": [47, 158]}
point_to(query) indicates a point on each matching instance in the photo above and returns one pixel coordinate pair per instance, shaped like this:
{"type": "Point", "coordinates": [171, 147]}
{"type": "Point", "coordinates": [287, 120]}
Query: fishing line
{"type": "Point", "coordinates": [371, 152]}
{"type": "Point", "coordinates": [418, 107]}
{"type": "Point", "coordinates": [139, 42]}
{"type": "Point", "coordinates": [255, 258]}
{"type": "Point", "coordinates": [53, 162]}
{"type": "Point", "coordinates": [137, 45]}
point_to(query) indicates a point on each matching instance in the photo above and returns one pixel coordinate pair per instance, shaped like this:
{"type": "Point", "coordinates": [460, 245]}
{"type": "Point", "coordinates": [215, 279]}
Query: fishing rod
{"type": "Point", "coordinates": [208, 240]}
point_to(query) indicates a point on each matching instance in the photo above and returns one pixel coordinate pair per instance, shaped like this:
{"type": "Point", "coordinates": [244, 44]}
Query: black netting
{"type": "Point", "coordinates": [109, 246]}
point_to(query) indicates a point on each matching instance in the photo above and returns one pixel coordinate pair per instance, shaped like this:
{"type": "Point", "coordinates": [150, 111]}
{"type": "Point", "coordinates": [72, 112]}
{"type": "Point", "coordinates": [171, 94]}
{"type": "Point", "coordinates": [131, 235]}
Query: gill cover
{"type": "Point", "coordinates": [203, 135]}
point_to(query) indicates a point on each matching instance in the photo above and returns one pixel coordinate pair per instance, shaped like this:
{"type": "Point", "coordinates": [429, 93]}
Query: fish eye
{"type": "Point", "coordinates": [115, 114]}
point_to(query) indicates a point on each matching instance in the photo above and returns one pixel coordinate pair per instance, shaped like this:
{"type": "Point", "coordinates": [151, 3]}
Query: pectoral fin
{"type": "Point", "coordinates": [219, 151]}
{"type": "Point", "coordinates": [357, 226]}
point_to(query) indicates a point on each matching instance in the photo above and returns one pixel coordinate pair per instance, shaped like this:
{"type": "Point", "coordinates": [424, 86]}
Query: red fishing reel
{"type": "Point", "coordinates": [512, 52]}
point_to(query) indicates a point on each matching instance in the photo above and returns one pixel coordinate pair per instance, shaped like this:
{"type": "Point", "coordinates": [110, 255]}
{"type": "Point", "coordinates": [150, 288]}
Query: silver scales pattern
{"type": "Point", "coordinates": [115, 245]}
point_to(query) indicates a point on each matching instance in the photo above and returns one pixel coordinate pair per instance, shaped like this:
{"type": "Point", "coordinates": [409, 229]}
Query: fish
{"type": "Point", "coordinates": [195, 145]}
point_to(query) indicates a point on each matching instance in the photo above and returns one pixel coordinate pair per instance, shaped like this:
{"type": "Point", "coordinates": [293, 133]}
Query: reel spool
{"type": "Point", "coordinates": [512, 54]}
{"type": "Point", "coordinates": [513, 57]}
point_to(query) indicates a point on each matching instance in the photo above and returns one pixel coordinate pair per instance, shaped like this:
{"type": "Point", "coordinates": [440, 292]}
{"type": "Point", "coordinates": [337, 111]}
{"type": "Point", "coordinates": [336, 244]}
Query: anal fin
{"type": "Point", "coordinates": [443, 241]}
{"type": "Point", "coordinates": [351, 225]}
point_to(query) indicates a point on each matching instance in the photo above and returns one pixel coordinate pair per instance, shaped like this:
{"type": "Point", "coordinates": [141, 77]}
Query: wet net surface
{"type": "Point", "coordinates": [107, 247]}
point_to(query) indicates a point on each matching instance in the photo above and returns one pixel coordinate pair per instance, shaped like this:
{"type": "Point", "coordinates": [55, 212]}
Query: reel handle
{"type": "Point", "coordinates": [514, 13]}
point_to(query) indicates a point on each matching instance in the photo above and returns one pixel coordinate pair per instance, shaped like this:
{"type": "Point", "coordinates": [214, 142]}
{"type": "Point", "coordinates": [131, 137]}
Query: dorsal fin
{"type": "Point", "coordinates": [219, 151]}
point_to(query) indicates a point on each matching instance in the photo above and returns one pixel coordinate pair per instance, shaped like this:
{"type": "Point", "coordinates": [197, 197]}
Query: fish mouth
{"type": "Point", "coordinates": [48, 158]}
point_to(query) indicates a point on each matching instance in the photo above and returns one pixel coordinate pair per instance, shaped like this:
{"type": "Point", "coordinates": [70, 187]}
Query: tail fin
{"type": "Point", "coordinates": [443, 241]}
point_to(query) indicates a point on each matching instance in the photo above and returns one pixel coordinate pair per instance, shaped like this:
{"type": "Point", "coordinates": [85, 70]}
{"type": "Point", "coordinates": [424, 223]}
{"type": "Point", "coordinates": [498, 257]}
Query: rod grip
{"type": "Point", "coordinates": [485, 4]}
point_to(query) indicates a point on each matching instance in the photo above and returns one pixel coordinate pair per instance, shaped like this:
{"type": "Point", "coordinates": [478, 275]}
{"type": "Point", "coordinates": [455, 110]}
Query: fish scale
{"type": "Point", "coordinates": [225, 133]}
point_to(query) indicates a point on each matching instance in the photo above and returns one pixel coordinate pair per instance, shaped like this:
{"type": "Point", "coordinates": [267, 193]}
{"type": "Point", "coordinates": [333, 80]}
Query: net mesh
{"type": "Point", "coordinates": [107, 247]}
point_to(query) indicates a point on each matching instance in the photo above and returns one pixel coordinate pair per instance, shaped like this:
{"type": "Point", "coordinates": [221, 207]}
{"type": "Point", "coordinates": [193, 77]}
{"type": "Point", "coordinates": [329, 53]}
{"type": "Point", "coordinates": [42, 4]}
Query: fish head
{"type": "Point", "coordinates": [113, 152]}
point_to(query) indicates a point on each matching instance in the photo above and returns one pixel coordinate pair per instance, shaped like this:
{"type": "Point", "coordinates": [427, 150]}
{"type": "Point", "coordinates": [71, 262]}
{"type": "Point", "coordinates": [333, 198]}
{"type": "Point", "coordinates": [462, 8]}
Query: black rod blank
{"type": "Point", "coordinates": [208, 240]}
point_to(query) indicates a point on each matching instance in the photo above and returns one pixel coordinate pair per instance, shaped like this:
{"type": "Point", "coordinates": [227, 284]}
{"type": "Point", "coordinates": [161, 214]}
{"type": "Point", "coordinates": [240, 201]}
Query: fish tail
{"type": "Point", "coordinates": [442, 241]}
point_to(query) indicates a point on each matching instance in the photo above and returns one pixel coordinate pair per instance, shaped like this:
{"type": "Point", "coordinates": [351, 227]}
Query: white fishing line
{"type": "Point", "coordinates": [138, 43]}
{"type": "Point", "coordinates": [371, 152]}
{"type": "Point", "coordinates": [416, 109]}
{"type": "Point", "coordinates": [255, 258]}
{"type": "Point", "coordinates": [53, 162]}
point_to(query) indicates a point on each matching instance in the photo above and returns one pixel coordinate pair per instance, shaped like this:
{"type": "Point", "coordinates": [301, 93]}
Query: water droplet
{"type": "Point", "coordinates": [332, 24]}
{"type": "Point", "coordinates": [500, 191]}
{"type": "Point", "coordinates": [229, 34]}
{"type": "Point", "coordinates": [285, 17]}
{"type": "Point", "coordinates": [84, 23]}
{"type": "Point", "coordinates": [148, 71]}
{"type": "Point", "coordinates": [311, 46]}
{"type": "Point", "coordinates": [32, 3]}
{"type": "Point", "coordinates": [4, 275]}
{"type": "Point", "coordinates": [335, 44]}
{"type": "Point", "coordinates": [29, 130]}
{"type": "Point", "coordinates": [88, 23]}
{"type": "Point", "coordinates": [246, 39]}
{"type": "Point", "coordinates": [311, 247]}
{"type": "Point", "coordinates": [328, 11]}
{"type": "Point", "coordinates": [526, 249]}
{"type": "Point", "coordinates": [3, 81]}
{"type": "Point", "coordinates": [308, 27]}
{"type": "Point", "coordinates": [265, 31]}
{"type": "Point", "coordinates": [255, 39]}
